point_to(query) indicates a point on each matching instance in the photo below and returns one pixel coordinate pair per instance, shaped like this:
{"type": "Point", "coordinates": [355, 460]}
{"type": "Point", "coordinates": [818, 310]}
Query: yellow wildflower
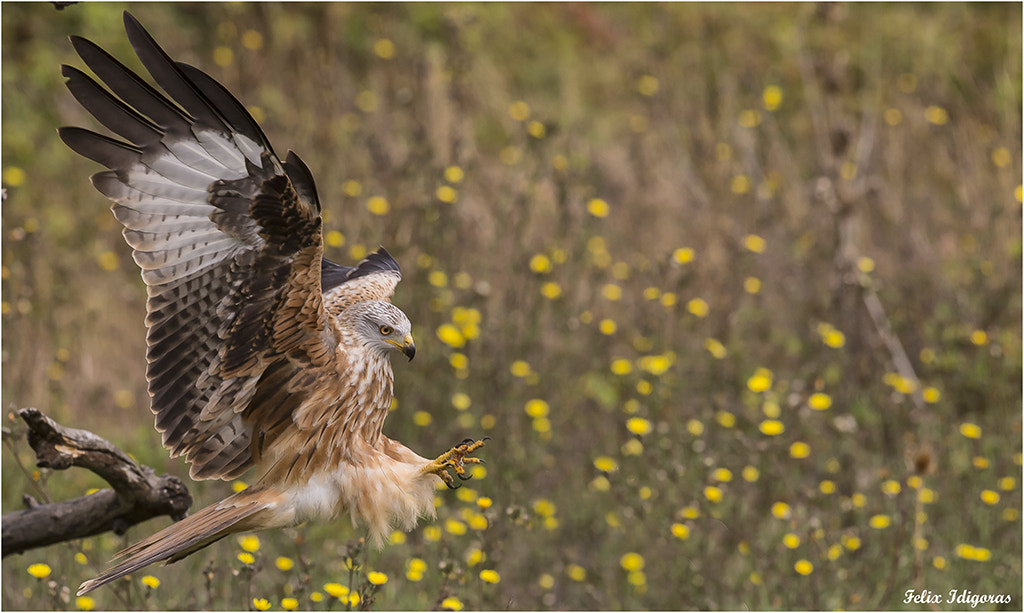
{"type": "Point", "coordinates": [697, 307]}
{"type": "Point", "coordinates": [799, 450]}
{"type": "Point", "coordinates": [754, 243]}
{"type": "Point", "coordinates": [760, 381]}
{"type": "Point", "coordinates": [540, 263]}
{"type": "Point", "coordinates": [14, 176]}
{"type": "Point", "coordinates": [378, 205]}
{"type": "Point", "coordinates": [970, 430]}
{"type": "Point", "coordinates": [621, 366]}
{"type": "Point", "coordinates": [519, 110]}
{"type": "Point", "coordinates": [537, 408]}
{"type": "Point", "coordinates": [611, 292]}
{"type": "Point", "coordinates": [803, 567]}
{"type": "Point", "coordinates": [715, 348]}
{"type": "Point", "coordinates": [598, 208]}
{"type": "Point", "coordinates": [576, 572]}
{"type": "Point", "coordinates": [647, 85]}
{"type": "Point", "coordinates": [819, 401]}
{"type": "Point", "coordinates": [490, 576]}
{"type": "Point", "coordinates": [336, 590]}
{"type": "Point", "coordinates": [771, 97]}
{"type": "Point", "coordinates": [454, 526]}
{"type": "Point", "coordinates": [639, 426]}
{"type": "Point", "coordinates": [453, 174]}
{"type": "Point", "coordinates": [683, 255]}
{"type": "Point", "coordinates": [936, 115]}
{"type": "Point", "coordinates": [834, 338]}
{"type": "Point", "coordinates": [384, 48]}
{"type": "Point", "coordinates": [551, 290]}
{"type": "Point", "coordinates": [680, 531]}
{"type": "Point", "coordinates": [606, 464]}
{"type": "Point", "coordinates": [451, 336]}
{"type": "Point", "coordinates": [446, 193]}
{"type": "Point", "coordinates": [250, 543]}
{"type": "Point", "coordinates": [544, 507]}
{"type": "Point", "coordinates": [632, 561]}
{"type": "Point", "coordinates": [723, 475]}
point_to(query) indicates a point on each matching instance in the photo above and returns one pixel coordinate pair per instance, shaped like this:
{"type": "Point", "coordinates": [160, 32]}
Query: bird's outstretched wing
{"type": "Point", "coordinates": [228, 237]}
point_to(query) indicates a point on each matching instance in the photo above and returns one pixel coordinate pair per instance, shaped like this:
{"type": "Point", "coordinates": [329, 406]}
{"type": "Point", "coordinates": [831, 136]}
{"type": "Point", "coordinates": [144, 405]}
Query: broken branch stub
{"type": "Point", "coordinates": [138, 493]}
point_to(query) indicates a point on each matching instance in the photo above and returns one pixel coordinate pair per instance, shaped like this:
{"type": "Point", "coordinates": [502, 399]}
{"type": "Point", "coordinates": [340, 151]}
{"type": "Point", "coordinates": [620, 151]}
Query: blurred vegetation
{"type": "Point", "coordinates": [640, 246]}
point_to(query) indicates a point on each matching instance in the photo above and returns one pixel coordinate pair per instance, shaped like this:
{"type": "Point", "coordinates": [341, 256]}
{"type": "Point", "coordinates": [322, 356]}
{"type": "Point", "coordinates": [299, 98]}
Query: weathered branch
{"type": "Point", "coordinates": [138, 493]}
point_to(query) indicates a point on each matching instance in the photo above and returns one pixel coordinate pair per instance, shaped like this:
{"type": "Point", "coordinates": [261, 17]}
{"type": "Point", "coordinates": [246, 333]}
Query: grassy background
{"type": "Point", "coordinates": [655, 202]}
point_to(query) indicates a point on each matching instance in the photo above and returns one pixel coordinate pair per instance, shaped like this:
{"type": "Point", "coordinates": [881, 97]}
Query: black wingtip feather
{"type": "Point", "coordinates": [171, 78]}
{"type": "Point", "coordinates": [378, 261]}
{"type": "Point", "coordinates": [98, 148]}
{"type": "Point", "coordinates": [237, 116]}
{"type": "Point", "coordinates": [332, 274]}
{"type": "Point", "coordinates": [301, 178]}
{"type": "Point", "coordinates": [108, 110]}
{"type": "Point", "coordinates": [129, 87]}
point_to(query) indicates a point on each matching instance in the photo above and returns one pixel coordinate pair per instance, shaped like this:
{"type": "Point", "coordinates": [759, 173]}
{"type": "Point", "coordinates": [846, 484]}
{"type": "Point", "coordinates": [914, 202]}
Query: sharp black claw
{"type": "Point", "coordinates": [465, 477]}
{"type": "Point", "coordinates": [453, 485]}
{"type": "Point", "coordinates": [467, 441]}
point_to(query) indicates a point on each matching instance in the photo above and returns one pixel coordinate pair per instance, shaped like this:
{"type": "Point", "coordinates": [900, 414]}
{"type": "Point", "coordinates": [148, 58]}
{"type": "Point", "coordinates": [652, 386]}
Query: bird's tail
{"type": "Point", "coordinates": [237, 513]}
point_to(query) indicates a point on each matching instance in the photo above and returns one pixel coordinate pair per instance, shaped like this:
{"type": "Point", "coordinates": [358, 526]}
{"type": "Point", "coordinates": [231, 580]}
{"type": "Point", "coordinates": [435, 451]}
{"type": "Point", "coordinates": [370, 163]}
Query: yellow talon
{"type": "Point", "coordinates": [456, 459]}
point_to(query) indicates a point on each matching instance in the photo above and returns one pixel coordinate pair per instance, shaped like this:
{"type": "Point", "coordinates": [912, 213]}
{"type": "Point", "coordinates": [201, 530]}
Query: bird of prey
{"type": "Point", "coordinates": [261, 353]}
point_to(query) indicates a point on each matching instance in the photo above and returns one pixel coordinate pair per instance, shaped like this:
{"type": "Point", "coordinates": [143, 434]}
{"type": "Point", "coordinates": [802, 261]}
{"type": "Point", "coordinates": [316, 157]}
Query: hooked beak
{"type": "Point", "coordinates": [409, 347]}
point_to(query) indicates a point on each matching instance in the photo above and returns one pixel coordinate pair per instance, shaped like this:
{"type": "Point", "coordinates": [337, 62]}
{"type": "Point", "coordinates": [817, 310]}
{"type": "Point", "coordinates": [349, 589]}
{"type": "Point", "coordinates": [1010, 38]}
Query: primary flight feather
{"type": "Point", "coordinates": [261, 353]}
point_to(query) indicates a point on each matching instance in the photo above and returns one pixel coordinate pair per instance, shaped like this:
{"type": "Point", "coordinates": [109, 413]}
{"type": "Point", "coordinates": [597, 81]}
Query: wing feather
{"type": "Point", "coordinates": [229, 240]}
{"type": "Point", "coordinates": [172, 80]}
{"type": "Point", "coordinates": [374, 278]}
{"type": "Point", "coordinates": [239, 119]}
{"type": "Point", "coordinates": [135, 92]}
{"type": "Point", "coordinates": [229, 246]}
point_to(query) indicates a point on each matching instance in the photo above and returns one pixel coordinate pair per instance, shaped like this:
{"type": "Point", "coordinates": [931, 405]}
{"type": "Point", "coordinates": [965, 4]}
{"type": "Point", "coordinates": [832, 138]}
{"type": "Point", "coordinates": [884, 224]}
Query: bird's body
{"type": "Point", "coordinates": [263, 355]}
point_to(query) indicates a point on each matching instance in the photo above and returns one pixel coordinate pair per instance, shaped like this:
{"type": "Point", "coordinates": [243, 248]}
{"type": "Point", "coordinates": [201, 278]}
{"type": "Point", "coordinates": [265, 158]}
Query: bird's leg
{"type": "Point", "coordinates": [455, 459]}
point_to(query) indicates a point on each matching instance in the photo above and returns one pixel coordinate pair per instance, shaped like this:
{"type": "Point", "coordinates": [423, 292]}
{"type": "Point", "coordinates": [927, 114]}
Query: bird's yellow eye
{"type": "Point", "coordinates": [386, 330]}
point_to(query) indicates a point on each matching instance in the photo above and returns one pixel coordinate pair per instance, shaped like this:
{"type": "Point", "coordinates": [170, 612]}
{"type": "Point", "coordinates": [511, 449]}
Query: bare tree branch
{"type": "Point", "coordinates": [138, 493]}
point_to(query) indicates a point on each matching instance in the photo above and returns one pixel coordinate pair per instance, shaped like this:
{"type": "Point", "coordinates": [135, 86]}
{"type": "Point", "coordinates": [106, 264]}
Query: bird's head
{"type": "Point", "coordinates": [381, 326]}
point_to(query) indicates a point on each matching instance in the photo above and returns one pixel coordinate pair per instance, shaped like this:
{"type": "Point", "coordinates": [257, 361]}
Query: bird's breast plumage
{"type": "Point", "coordinates": [338, 425]}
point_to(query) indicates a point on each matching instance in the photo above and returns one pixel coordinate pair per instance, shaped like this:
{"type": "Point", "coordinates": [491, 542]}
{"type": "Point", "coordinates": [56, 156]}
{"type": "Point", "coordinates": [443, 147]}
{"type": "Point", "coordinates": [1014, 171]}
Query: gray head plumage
{"type": "Point", "coordinates": [381, 326]}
